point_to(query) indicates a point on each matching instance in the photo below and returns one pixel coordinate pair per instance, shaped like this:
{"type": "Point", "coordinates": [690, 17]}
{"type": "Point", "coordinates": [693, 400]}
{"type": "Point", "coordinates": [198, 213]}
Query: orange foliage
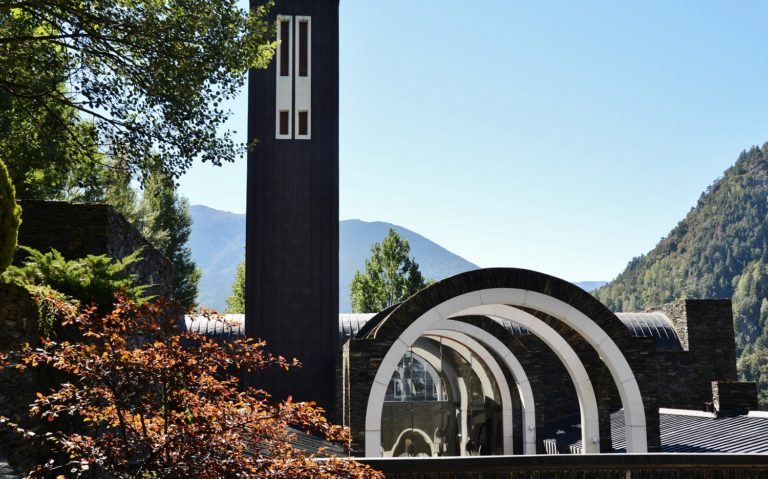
{"type": "Point", "coordinates": [155, 401]}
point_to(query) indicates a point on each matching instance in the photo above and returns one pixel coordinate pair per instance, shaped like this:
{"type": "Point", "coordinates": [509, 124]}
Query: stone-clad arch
{"type": "Point", "coordinates": [516, 288]}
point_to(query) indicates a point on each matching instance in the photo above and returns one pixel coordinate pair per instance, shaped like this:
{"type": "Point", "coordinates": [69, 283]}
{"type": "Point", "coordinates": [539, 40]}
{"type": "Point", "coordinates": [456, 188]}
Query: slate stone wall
{"type": "Point", "coordinates": [76, 230]}
{"type": "Point", "coordinates": [732, 398]}
{"type": "Point", "coordinates": [705, 329]}
{"type": "Point", "coordinates": [81, 229]}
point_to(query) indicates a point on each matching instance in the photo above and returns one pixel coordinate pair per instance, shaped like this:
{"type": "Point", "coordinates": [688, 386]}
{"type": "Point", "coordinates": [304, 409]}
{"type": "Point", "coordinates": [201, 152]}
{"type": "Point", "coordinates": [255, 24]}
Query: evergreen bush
{"type": "Point", "coordinates": [10, 219]}
{"type": "Point", "coordinates": [92, 280]}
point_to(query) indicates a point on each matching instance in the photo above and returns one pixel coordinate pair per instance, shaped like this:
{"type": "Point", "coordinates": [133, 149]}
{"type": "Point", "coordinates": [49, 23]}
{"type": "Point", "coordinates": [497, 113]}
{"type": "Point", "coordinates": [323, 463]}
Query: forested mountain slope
{"type": "Point", "coordinates": [720, 250]}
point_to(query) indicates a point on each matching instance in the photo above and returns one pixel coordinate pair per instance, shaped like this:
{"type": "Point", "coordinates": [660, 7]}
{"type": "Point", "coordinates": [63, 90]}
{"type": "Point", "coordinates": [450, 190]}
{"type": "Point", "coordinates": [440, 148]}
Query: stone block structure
{"type": "Point", "coordinates": [731, 398]}
{"type": "Point", "coordinates": [76, 230]}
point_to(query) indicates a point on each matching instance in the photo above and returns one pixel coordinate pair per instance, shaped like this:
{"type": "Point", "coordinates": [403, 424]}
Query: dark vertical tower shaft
{"type": "Point", "coordinates": [293, 200]}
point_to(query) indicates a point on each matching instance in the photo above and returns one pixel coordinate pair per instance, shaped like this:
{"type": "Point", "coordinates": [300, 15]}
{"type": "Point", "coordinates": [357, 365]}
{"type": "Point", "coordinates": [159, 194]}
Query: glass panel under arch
{"type": "Point", "coordinates": [442, 400]}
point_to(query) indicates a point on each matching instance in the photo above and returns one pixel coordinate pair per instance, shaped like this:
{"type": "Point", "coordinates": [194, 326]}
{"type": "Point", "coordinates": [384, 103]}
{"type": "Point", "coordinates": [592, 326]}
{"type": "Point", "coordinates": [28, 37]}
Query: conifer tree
{"type": "Point", "coordinates": [10, 219]}
{"type": "Point", "coordinates": [236, 301]}
{"type": "Point", "coordinates": [164, 219]}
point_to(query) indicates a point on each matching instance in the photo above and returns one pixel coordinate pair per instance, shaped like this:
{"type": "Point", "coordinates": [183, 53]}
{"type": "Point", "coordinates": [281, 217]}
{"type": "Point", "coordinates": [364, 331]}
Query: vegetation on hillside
{"type": "Point", "coordinates": [236, 300]}
{"type": "Point", "coordinates": [720, 250]}
{"type": "Point", "coordinates": [163, 218]}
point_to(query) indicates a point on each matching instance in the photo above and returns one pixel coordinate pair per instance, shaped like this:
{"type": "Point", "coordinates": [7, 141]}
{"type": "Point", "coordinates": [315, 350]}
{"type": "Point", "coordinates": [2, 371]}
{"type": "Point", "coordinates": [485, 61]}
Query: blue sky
{"type": "Point", "coordinates": [565, 137]}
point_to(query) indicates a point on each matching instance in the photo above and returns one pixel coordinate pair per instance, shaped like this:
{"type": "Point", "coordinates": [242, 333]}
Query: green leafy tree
{"type": "Point", "coordinates": [10, 219]}
{"type": "Point", "coordinates": [236, 301]}
{"type": "Point", "coordinates": [131, 79]}
{"type": "Point", "coordinates": [117, 190]}
{"type": "Point", "coordinates": [390, 276]}
{"type": "Point", "coordinates": [48, 149]}
{"type": "Point", "coordinates": [163, 218]}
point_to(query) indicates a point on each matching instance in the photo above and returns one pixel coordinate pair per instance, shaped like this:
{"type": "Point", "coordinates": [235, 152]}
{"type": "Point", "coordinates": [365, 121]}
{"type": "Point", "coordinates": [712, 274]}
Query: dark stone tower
{"type": "Point", "coordinates": [292, 246]}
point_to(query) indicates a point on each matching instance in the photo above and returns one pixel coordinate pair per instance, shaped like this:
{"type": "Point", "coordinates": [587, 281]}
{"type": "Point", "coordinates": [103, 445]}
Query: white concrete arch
{"type": "Point", "coordinates": [590, 419]}
{"type": "Point", "coordinates": [590, 431]}
{"type": "Point", "coordinates": [518, 373]}
{"type": "Point", "coordinates": [421, 433]}
{"type": "Point", "coordinates": [498, 376]}
{"type": "Point", "coordinates": [431, 354]}
{"type": "Point", "coordinates": [617, 364]}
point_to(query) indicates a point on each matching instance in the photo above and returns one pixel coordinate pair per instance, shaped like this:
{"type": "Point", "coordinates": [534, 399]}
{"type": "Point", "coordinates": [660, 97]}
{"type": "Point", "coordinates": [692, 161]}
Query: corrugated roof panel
{"type": "Point", "coordinates": [691, 432]}
{"type": "Point", "coordinates": [655, 325]}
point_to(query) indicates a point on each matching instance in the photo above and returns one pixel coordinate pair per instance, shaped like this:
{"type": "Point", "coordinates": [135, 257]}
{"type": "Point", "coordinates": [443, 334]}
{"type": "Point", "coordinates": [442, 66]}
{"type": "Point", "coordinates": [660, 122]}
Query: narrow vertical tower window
{"type": "Point", "coordinates": [284, 93]}
{"type": "Point", "coordinates": [303, 48]}
{"type": "Point", "coordinates": [303, 94]}
{"type": "Point", "coordinates": [285, 50]}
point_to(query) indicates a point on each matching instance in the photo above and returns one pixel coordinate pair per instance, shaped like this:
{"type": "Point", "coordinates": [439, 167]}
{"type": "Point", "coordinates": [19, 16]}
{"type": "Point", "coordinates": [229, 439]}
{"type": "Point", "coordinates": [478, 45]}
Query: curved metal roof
{"type": "Point", "coordinates": [655, 325]}
{"type": "Point", "coordinates": [351, 324]}
{"type": "Point", "coordinates": [231, 327]}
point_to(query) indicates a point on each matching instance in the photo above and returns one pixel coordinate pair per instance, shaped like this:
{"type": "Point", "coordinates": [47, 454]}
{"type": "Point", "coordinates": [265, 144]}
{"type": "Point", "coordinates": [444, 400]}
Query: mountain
{"type": "Point", "coordinates": [218, 239]}
{"type": "Point", "coordinates": [356, 238]}
{"type": "Point", "coordinates": [217, 243]}
{"type": "Point", "coordinates": [590, 286]}
{"type": "Point", "coordinates": [719, 250]}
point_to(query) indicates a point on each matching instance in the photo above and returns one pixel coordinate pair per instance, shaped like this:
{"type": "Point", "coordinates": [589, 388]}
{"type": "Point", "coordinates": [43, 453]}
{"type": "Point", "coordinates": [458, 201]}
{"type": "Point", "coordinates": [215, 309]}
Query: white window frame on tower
{"type": "Point", "coordinates": [284, 83]}
{"type": "Point", "coordinates": [303, 91]}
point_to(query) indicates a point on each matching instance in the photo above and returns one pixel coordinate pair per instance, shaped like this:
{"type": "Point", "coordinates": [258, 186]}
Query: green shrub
{"type": "Point", "coordinates": [89, 280]}
{"type": "Point", "coordinates": [10, 219]}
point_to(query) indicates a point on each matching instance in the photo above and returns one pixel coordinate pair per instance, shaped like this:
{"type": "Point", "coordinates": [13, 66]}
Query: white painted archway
{"type": "Point", "coordinates": [422, 434]}
{"type": "Point", "coordinates": [590, 431]}
{"type": "Point", "coordinates": [518, 373]}
{"type": "Point", "coordinates": [498, 376]}
{"type": "Point", "coordinates": [618, 366]}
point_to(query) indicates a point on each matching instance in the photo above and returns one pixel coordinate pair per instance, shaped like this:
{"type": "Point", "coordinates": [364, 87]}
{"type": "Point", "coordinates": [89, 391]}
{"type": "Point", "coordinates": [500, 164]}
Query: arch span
{"type": "Point", "coordinates": [508, 287]}
{"type": "Point", "coordinates": [590, 431]}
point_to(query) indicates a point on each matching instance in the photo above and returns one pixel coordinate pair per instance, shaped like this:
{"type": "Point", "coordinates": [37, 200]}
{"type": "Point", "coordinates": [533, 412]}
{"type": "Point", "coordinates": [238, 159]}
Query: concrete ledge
{"type": "Point", "coordinates": [579, 462]}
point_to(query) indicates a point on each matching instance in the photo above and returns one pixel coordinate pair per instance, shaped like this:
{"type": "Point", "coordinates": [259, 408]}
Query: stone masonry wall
{"type": "Point", "coordinates": [81, 229]}
{"type": "Point", "coordinates": [18, 317]}
{"type": "Point", "coordinates": [705, 329]}
{"type": "Point", "coordinates": [732, 398]}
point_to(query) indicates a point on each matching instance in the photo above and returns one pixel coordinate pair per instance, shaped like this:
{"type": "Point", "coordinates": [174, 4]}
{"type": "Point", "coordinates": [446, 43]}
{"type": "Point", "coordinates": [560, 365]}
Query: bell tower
{"type": "Point", "coordinates": [292, 226]}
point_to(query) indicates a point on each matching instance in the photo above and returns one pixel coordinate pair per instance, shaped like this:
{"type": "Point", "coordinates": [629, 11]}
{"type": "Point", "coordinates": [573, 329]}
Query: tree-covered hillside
{"type": "Point", "coordinates": [720, 250]}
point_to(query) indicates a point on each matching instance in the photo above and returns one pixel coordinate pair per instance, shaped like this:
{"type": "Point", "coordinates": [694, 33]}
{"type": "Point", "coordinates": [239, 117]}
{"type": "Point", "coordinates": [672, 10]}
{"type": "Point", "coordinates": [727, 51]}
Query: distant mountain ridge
{"type": "Point", "coordinates": [217, 242]}
{"type": "Point", "coordinates": [218, 239]}
{"type": "Point", "coordinates": [356, 238]}
{"type": "Point", "coordinates": [719, 250]}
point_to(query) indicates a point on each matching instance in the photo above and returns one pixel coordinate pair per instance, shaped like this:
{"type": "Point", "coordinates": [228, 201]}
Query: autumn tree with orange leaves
{"type": "Point", "coordinates": [150, 400]}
